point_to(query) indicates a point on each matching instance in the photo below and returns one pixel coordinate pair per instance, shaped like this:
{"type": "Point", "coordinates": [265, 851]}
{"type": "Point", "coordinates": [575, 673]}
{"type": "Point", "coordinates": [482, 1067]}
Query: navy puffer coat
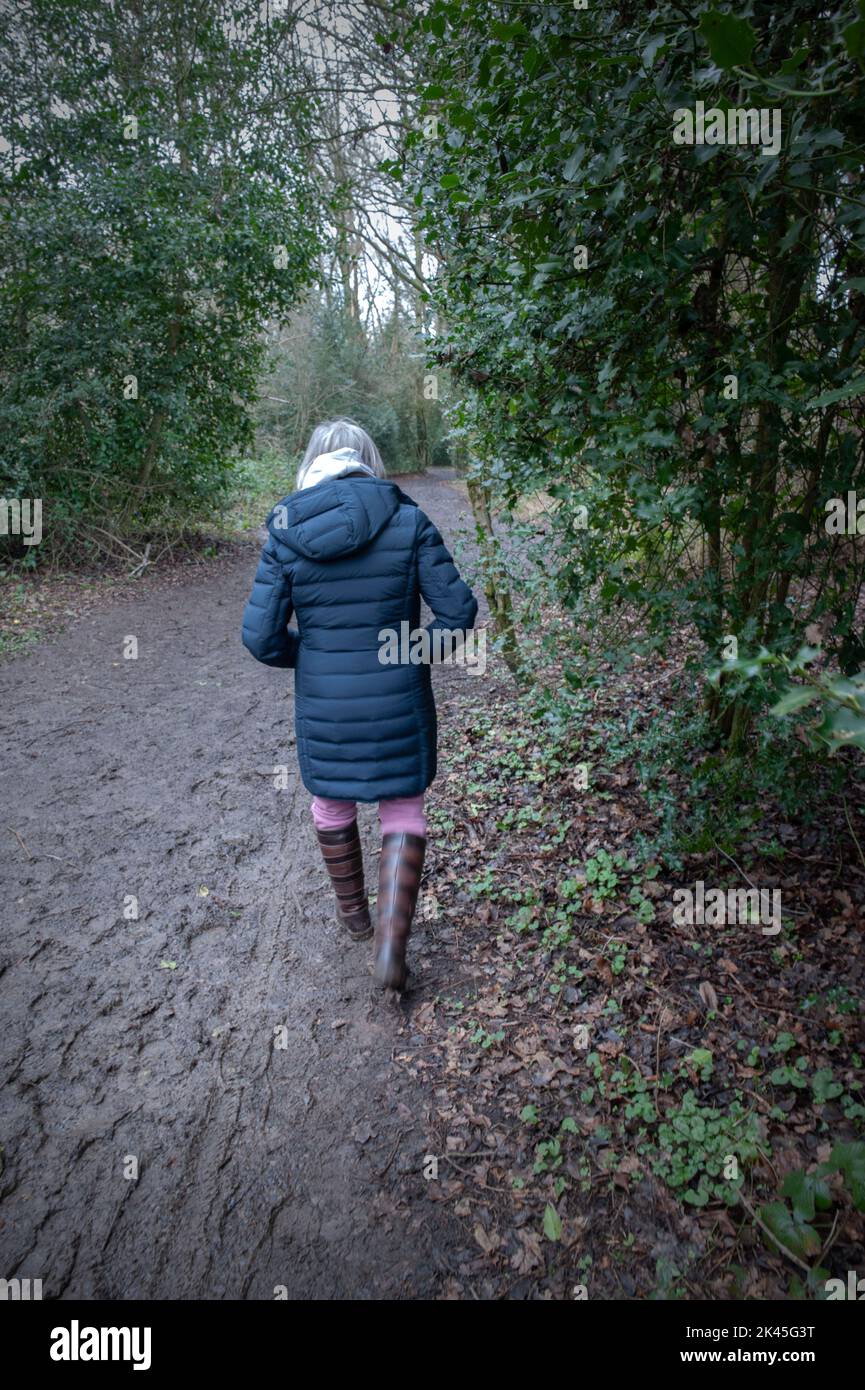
{"type": "Point", "coordinates": [351, 556]}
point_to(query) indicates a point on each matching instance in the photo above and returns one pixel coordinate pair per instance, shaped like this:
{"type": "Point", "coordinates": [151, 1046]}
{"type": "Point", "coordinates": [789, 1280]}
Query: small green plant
{"type": "Point", "coordinates": [601, 873]}
{"type": "Point", "coordinates": [696, 1144]}
{"type": "Point", "coordinates": [618, 956]}
{"type": "Point", "coordinates": [791, 1076]}
{"type": "Point", "coordinates": [485, 1039]}
{"type": "Point", "coordinates": [801, 1218]}
{"type": "Point", "coordinates": [605, 876]}
{"type": "Point", "coordinates": [548, 1156]}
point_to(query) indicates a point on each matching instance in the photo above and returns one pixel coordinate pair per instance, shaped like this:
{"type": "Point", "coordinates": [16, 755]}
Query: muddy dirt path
{"type": "Point", "coordinates": [226, 1042]}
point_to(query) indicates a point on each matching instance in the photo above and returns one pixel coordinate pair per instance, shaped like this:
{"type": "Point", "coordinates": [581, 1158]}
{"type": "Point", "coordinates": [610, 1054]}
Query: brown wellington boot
{"type": "Point", "coordinates": [399, 874]}
{"type": "Point", "coordinates": [344, 860]}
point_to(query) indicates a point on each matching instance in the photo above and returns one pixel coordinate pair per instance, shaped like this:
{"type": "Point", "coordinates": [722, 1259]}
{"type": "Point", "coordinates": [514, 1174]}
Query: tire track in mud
{"type": "Point", "coordinates": [226, 1038]}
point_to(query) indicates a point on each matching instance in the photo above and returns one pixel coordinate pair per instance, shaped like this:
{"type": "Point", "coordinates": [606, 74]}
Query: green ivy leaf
{"type": "Point", "coordinates": [796, 697]}
{"type": "Point", "coordinates": [798, 1237]}
{"type": "Point", "coordinates": [824, 1087]}
{"type": "Point", "coordinates": [843, 393]}
{"type": "Point", "coordinates": [854, 38]}
{"type": "Point", "coordinates": [552, 1223]}
{"type": "Point", "coordinates": [699, 1198]}
{"type": "Point", "coordinates": [808, 1193]}
{"type": "Point", "coordinates": [850, 1158]}
{"type": "Point", "coordinates": [730, 40]}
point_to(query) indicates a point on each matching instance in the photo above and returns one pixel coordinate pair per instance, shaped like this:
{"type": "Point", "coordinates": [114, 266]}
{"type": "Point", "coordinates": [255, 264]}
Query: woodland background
{"type": "Point", "coordinates": [224, 222]}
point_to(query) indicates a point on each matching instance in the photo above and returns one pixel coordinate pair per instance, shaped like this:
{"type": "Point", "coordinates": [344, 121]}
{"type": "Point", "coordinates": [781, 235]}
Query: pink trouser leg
{"type": "Point", "coordinates": [402, 813]}
{"type": "Point", "coordinates": [332, 815]}
{"type": "Point", "coordinates": [398, 813]}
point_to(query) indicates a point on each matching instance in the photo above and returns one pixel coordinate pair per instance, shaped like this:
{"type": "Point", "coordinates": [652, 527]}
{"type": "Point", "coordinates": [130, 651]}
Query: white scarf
{"type": "Point", "coordinates": [334, 466]}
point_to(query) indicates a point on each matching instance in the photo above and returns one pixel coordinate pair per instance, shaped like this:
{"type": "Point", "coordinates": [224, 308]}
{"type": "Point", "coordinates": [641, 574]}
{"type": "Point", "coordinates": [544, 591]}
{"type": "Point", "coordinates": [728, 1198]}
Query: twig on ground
{"type": "Point", "coordinates": [20, 841]}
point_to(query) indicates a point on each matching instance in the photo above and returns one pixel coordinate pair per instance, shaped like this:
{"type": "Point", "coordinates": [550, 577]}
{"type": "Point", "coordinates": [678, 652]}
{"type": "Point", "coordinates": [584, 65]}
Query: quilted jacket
{"type": "Point", "coordinates": [350, 557]}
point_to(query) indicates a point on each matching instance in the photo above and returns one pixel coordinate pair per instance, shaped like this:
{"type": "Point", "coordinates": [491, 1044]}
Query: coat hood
{"type": "Point", "coordinates": [334, 465]}
{"type": "Point", "coordinates": [336, 517]}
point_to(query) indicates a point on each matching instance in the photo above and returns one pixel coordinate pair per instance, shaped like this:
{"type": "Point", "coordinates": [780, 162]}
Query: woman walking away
{"type": "Point", "coordinates": [352, 555]}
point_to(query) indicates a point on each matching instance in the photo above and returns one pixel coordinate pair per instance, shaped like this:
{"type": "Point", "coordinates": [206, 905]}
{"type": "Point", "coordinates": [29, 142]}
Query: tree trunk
{"type": "Point", "coordinates": [421, 424]}
{"type": "Point", "coordinates": [498, 594]}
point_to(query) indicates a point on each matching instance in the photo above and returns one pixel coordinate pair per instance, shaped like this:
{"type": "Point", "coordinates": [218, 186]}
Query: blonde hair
{"type": "Point", "coordinates": [341, 434]}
